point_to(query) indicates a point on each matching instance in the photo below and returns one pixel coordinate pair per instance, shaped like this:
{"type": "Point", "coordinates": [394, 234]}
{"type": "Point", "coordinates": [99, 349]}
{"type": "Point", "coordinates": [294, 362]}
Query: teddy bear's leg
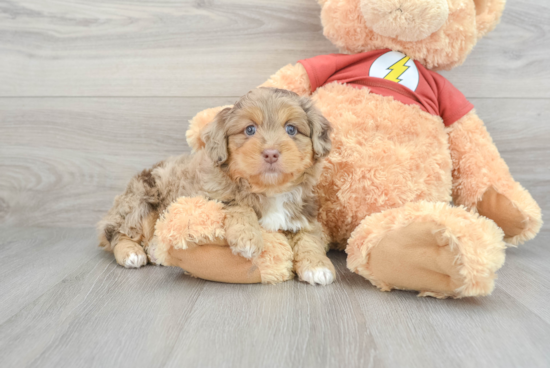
{"type": "Point", "coordinates": [190, 235]}
{"type": "Point", "coordinates": [482, 181]}
{"type": "Point", "coordinates": [433, 248]}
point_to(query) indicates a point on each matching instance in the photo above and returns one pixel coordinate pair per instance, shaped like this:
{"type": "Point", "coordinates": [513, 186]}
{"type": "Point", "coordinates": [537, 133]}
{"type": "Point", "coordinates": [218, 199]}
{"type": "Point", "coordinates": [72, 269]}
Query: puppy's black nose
{"type": "Point", "coordinates": [271, 155]}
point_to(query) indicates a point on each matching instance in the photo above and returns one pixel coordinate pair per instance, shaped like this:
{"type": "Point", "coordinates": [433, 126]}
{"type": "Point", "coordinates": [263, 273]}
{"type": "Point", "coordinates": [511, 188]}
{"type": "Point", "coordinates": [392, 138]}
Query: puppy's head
{"type": "Point", "coordinates": [269, 138]}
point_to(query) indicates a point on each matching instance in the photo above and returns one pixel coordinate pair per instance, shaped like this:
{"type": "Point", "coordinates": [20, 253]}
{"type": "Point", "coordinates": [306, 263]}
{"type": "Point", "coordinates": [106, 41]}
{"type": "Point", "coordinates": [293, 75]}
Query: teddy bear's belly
{"type": "Point", "coordinates": [384, 154]}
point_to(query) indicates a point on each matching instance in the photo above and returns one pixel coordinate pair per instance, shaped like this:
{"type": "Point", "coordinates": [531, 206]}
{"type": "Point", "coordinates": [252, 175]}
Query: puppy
{"type": "Point", "coordinates": [262, 159]}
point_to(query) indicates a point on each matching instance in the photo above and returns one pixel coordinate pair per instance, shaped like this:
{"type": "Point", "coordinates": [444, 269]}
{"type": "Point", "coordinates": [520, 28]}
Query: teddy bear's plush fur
{"type": "Point", "coordinates": [387, 185]}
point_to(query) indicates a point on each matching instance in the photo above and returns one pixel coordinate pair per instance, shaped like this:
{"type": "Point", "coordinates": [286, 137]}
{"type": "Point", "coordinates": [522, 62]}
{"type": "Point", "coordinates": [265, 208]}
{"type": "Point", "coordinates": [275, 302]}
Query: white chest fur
{"type": "Point", "coordinates": [278, 213]}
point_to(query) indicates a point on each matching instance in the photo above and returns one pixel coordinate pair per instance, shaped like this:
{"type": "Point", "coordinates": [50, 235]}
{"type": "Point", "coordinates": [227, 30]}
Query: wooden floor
{"type": "Point", "coordinates": [93, 91]}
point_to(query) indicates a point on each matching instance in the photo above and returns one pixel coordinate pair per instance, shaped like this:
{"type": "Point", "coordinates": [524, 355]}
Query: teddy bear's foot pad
{"type": "Point", "coordinates": [415, 258]}
{"type": "Point", "coordinates": [501, 210]}
{"type": "Point", "coordinates": [434, 248]}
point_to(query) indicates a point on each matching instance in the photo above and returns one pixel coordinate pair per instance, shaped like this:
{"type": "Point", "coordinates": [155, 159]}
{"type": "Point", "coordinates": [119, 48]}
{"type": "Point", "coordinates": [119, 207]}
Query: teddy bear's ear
{"type": "Point", "coordinates": [488, 13]}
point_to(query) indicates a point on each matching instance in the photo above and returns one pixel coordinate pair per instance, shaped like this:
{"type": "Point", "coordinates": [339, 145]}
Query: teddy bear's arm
{"type": "Point", "coordinates": [291, 77]}
{"type": "Point", "coordinates": [482, 181]}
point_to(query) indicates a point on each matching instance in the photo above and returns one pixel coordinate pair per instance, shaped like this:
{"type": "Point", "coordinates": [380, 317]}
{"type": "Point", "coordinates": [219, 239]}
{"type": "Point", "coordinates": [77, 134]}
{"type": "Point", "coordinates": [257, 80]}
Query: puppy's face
{"type": "Point", "coordinates": [270, 138]}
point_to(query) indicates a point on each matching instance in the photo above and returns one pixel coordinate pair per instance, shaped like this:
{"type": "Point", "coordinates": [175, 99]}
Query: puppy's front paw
{"type": "Point", "coordinates": [130, 255]}
{"type": "Point", "coordinates": [245, 242]}
{"type": "Point", "coordinates": [135, 260]}
{"type": "Point", "coordinates": [317, 276]}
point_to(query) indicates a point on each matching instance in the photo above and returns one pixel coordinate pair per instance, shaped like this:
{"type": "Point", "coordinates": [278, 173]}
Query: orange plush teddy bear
{"type": "Point", "coordinates": [405, 144]}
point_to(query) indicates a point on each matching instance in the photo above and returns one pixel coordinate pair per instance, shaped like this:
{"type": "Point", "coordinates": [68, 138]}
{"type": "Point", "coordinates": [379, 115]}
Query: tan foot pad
{"type": "Point", "coordinates": [502, 211]}
{"type": "Point", "coordinates": [413, 258]}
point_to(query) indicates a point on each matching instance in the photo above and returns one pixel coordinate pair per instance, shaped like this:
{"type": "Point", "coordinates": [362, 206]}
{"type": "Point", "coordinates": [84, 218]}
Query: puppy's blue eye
{"type": "Point", "coordinates": [250, 130]}
{"type": "Point", "coordinates": [291, 130]}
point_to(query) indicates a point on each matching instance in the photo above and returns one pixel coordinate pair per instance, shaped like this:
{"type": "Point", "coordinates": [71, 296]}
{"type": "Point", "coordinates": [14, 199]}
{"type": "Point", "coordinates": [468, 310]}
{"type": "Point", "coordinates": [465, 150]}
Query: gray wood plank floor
{"type": "Point", "coordinates": [91, 92]}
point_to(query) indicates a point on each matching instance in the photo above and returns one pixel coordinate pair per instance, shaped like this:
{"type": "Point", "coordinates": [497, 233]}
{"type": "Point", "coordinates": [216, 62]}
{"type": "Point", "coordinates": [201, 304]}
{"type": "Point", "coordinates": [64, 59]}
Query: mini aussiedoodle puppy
{"type": "Point", "coordinates": [262, 159]}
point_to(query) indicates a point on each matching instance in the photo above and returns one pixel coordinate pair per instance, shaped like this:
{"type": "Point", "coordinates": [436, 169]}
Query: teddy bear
{"type": "Point", "coordinates": [406, 144]}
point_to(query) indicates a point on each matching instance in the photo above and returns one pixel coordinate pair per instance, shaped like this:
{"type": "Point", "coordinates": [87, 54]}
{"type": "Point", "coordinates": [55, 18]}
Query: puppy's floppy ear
{"type": "Point", "coordinates": [320, 128]}
{"type": "Point", "coordinates": [215, 139]}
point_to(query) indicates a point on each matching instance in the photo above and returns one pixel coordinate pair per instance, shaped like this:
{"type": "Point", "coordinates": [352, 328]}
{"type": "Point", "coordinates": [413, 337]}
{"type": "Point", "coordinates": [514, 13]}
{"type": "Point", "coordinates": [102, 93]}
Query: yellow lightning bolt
{"type": "Point", "coordinates": [397, 70]}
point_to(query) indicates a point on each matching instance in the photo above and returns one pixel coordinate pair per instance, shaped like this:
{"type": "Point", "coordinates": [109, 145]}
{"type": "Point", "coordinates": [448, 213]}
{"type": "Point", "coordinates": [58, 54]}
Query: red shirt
{"type": "Point", "coordinates": [391, 73]}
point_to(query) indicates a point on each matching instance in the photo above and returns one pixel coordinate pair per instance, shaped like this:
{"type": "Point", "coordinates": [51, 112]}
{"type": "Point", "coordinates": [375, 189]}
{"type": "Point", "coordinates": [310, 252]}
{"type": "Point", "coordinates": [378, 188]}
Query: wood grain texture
{"type": "Point", "coordinates": [152, 48]}
{"type": "Point", "coordinates": [98, 314]}
{"type": "Point", "coordinates": [221, 48]}
{"type": "Point", "coordinates": [502, 63]}
{"type": "Point", "coordinates": [63, 160]}
{"type": "Point", "coordinates": [93, 92]}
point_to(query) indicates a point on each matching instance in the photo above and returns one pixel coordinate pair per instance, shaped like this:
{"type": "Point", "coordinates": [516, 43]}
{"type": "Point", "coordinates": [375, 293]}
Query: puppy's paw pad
{"type": "Point", "coordinates": [135, 260]}
{"type": "Point", "coordinates": [318, 276]}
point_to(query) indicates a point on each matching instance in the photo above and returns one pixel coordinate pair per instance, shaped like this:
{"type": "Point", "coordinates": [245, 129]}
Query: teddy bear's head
{"type": "Point", "coordinates": [437, 33]}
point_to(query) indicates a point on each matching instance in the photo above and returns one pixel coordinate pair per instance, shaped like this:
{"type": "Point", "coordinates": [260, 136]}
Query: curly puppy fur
{"type": "Point", "coordinates": [261, 160]}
